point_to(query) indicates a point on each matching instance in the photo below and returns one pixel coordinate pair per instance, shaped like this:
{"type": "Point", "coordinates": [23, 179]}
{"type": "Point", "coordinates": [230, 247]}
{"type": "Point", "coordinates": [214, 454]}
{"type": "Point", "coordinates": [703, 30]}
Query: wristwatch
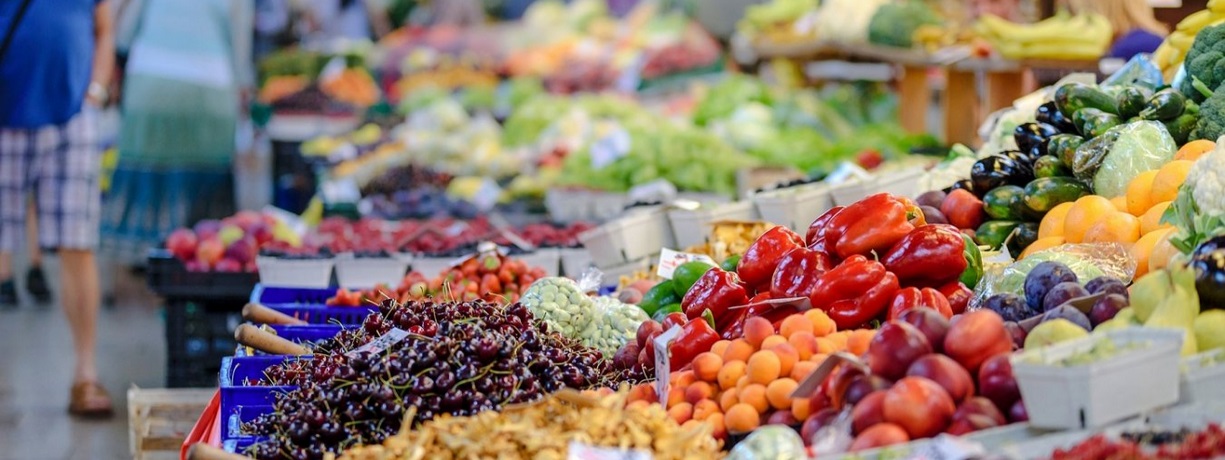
{"type": "Point", "coordinates": [97, 92]}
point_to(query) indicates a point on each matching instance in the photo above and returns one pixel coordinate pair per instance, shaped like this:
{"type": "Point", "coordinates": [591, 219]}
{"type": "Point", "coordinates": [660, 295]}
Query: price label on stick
{"type": "Point", "coordinates": [380, 344]}
{"type": "Point", "coordinates": [670, 259]}
{"type": "Point", "coordinates": [663, 365]}
{"type": "Point", "coordinates": [809, 386]}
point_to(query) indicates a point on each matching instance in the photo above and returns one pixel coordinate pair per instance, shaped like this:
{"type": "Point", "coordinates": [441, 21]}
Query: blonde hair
{"type": "Point", "coordinates": [1124, 15]}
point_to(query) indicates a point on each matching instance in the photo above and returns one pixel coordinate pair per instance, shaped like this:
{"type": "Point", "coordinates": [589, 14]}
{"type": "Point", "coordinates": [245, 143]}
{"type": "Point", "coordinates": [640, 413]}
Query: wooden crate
{"type": "Point", "coordinates": [159, 419]}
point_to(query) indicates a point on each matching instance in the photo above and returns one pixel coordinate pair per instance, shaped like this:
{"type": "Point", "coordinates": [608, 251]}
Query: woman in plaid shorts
{"type": "Point", "coordinates": [55, 59]}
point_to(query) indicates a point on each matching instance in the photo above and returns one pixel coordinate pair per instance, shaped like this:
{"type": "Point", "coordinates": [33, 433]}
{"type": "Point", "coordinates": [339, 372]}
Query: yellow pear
{"type": "Point", "coordinates": [1149, 291]}
{"type": "Point", "coordinates": [1052, 332]}
{"type": "Point", "coordinates": [1209, 328]}
{"type": "Point", "coordinates": [1181, 306]}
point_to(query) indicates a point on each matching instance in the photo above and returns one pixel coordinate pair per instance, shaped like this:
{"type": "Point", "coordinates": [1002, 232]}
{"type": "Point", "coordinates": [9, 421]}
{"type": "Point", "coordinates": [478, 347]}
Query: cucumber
{"type": "Point", "coordinates": [1021, 237]}
{"type": "Point", "coordinates": [1072, 97]}
{"type": "Point", "coordinates": [1045, 193]}
{"type": "Point", "coordinates": [1001, 203]}
{"type": "Point", "coordinates": [1167, 104]}
{"type": "Point", "coordinates": [1131, 100]}
{"type": "Point", "coordinates": [1050, 166]}
{"type": "Point", "coordinates": [1063, 146]}
{"type": "Point", "coordinates": [993, 233]}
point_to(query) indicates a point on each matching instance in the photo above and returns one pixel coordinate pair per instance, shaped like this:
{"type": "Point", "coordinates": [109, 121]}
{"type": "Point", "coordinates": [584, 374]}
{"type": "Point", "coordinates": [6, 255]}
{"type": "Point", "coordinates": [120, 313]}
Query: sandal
{"type": "Point", "coordinates": [89, 399]}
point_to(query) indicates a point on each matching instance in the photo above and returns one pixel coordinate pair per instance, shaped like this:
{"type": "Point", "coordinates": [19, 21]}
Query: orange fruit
{"type": "Point", "coordinates": [728, 399]}
{"type": "Point", "coordinates": [730, 373]}
{"type": "Point", "coordinates": [1118, 227]}
{"type": "Point", "coordinates": [817, 358]}
{"type": "Point", "coordinates": [1041, 244]}
{"type": "Point", "coordinates": [787, 357]}
{"type": "Point", "coordinates": [698, 391]}
{"type": "Point", "coordinates": [737, 350]}
{"type": "Point", "coordinates": [741, 418]}
{"type": "Point", "coordinates": [754, 394]}
{"type": "Point", "coordinates": [676, 395]}
{"type": "Point", "coordinates": [1084, 213]}
{"type": "Point", "coordinates": [706, 366]}
{"type": "Point", "coordinates": [1169, 178]}
{"type": "Point", "coordinates": [1143, 249]}
{"type": "Point", "coordinates": [826, 345]}
{"type": "Point", "coordinates": [793, 324]}
{"type": "Point", "coordinates": [859, 339]}
{"type": "Point", "coordinates": [1191, 151]}
{"type": "Point", "coordinates": [719, 347]}
{"type": "Point", "coordinates": [742, 382]}
{"type": "Point", "coordinates": [772, 341]}
{"type": "Point", "coordinates": [681, 413]}
{"type": "Point", "coordinates": [1120, 203]}
{"type": "Point", "coordinates": [804, 342]}
{"type": "Point", "coordinates": [801, 408]}
{"type": "Point", "coordinates": [718, 429]}
{"type": "Point", "coordinates": [839, 339]}
{"type": "Point", "coordinates": [1052, 222]}
{"type": "Point", "coordinates": [1163, 251]}
{"type": "Point", "coordinates": [683, 378]}
{"type": "Point", "coordinates": [822, 324]}
{"type": "Point", "coordinates": [704, 409]}
{"type": "Point", "coordinates": [1151, 219]}
{"type": "Point", "coordinates": [800, 371]}
{"type": "Point", "coordinates": [764, 367]}
{"type": "Point", "coordinates": [756, 330]}
{"type": "Point", "coordinates": [1139, 193]}
{"type": "Point", "coordinates": [779, 392]}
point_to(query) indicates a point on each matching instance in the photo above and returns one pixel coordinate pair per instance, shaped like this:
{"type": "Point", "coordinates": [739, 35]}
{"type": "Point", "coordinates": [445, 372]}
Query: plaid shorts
{"type": "Point", "coordinates": [59, 165]}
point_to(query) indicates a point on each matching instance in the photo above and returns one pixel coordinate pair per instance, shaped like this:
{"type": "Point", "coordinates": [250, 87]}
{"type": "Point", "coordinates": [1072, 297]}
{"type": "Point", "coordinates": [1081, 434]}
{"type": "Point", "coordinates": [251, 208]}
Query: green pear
{"type": "Point", "coordinates": [1180, 307]}
{"type": "Point", "coordinates": [1148, 292]}
{"type": "Point", "coordinates": [1052, 332]}
{"type": "Point", "coordinates": [1209, 328]}
{"type": "Point", "coordinates": [1127, 316]}
{"type": "Point", "coordinates": [1113, 324]}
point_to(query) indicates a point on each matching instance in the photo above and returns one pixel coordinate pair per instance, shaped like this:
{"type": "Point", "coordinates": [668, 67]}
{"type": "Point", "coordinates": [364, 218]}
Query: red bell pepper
{"type": "Point", "coordinates": [716, 290]}
{"type": "Point", "coordinates": [854, 292]}
{"type": "Point", "coordinates": [930, 255]}
{"type": "Point", "coordinates": [815, 239]}
{"type": "Point", "coordinates": [798, 272]}
{"type": "Point", "coordinates": [672, 319]}
{"type": "Point", "coordinates": [696, 336]}
{"type": "Point", "coordinates": [959, 296]}
{"type": "Point", "coordinates": [912, 297]}
{"type": "Point", "coordinates": [759, 261]}
{"type": "Point", "coordinates": [874, 223]}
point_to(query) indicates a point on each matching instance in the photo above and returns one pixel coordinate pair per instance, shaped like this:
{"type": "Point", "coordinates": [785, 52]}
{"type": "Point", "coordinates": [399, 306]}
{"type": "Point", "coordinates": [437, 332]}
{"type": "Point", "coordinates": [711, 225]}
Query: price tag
{"type": "Point", "coordinates": [612, 143]}
{"type": "Point", "coordinates": [670, 259]}
{"type": "Point", "coordinates": [381, 344]}
{"type": "Point", "coordinates": [332, 69]}
{"type": "Point", "coordinates": [583, 451]}
{"type": "Point", "coordinates": [813, 382]}
{"type": "Point", "coordinates": [663, 369]}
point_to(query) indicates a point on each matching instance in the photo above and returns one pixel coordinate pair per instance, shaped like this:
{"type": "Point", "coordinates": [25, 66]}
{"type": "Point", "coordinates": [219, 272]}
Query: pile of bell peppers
{"type": "Point", "coordinates": [865, 262]}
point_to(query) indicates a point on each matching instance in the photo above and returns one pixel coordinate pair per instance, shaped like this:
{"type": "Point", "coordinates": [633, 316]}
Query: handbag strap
{"type": "Point", "coordinates": [8, 36]}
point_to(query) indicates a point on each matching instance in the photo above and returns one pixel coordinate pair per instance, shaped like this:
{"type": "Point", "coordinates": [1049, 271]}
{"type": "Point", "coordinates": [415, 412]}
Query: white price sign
{"type": "Point", "coordinates": [663, 365]}
{"type": "Point", "coordinates": [670, 259]}
{"type": "Point", "coordinates": [382, 343]}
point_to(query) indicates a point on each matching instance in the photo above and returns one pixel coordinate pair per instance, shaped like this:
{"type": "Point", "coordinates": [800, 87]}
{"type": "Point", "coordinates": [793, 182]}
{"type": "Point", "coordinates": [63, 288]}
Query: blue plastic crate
{"type": "Point", "coordinates": [307, 304]}
{"type": "Point", "coordinates": [232, 424]}
{"type": "Point", "coordinates": [297, 334]}
{"type": "Point", "coordinates": [239, 445]}
{"type": "Point", "coordinates": [235, 372]}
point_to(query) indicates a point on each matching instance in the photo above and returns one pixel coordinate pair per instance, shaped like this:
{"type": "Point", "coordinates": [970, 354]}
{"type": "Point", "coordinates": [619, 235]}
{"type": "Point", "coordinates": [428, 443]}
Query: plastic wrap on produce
{"type": "Point", "coordinates": [1112, 160]}
{"type": "Point", "coordinates": [613, 324]}
{"type": "Point", "coordinates": [560, 303]}
{"type": "Point", "coordinates": [770, 442]}
{"type": "Point", "coordinates": [1139, 71]}
{"type": "Point", "coordinates": [1088, 261]}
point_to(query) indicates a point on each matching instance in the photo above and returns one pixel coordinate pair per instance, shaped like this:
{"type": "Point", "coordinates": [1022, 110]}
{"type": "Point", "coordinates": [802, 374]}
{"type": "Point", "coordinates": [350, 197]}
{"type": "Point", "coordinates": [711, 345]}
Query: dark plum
{"type": "Point", "coordinates": [1069, 313]}
{"type": "Point", "coordinates": [1107, 284]}
{"type": "Point", "coordinates": [1060, 293]}
{"type": "Point", "coordinates": [1042, 278]}
{"type": "Point", "coordinates": [1106, 308]}
{"type": "Point", "coordinates": [1009, 306]}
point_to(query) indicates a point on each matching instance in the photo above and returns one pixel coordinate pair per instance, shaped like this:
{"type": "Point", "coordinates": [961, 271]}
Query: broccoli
{"type": "Point", "coordinates": [894, 24]}
{"type": "Point", "coordinates": [1205, 63]}
{"type": "Point", "coordinates": [1211, 122]}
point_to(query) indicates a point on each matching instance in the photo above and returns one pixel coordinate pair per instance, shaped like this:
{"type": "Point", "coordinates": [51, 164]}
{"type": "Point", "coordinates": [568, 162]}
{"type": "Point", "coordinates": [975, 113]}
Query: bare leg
{"type": "Point", "coordinates": [80, 297]}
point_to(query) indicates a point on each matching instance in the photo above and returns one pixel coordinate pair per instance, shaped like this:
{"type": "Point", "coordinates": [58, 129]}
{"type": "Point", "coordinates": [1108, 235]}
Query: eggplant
{"type": "Point", "coordinates": [1029, 135]}
{"type": "Point", "coordinates": [996, 170]}
{"type": "Point", "coordinates": [1025, 163]}
{"type": "Point", "coordinates": [1131, 101]}
{"type": "Point", "coordinates": [964, 184]}
{"type": "Point", "coordinates": [1208, 260]}
{"type": "Point", "coordinates": [1167, 104]}
{"type": "Point", "coordinates": [1048, 113]}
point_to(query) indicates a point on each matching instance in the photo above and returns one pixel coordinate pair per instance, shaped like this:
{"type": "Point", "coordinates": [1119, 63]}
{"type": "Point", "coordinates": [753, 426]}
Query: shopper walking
{"type": "Point", "coordinates": [56, 57]}
{"type": "Point", "coordinates": [189, 65]}
{"type": "Point", "coordinates": [36, 279]}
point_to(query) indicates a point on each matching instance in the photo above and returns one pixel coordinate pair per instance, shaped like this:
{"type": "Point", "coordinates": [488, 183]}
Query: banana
{"type": "Point", "coordinates": [1195, 21]}
{"type": "Point", "coordinates": [1181, 40]}
{"type": "Point", "coordinates": [1217, 6]}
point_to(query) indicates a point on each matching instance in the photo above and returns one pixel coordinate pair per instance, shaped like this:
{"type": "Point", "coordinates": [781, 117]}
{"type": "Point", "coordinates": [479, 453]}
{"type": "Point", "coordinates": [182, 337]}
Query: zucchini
{"type": "Point", "coordinates": [1001, 203]}
{"type": "Point", "coordinates": [1072, 97]}
{"type": "Point", "coordinates": [1167, 104]}
{"type": "Point", "coordinates": [1180, 128]}
{"type": "Point", "coordinates": [1050, 166]}
{"type": "Point", "coordinates": [1093, 122]}
{"type": "Point", "coordinates": [1063, 147]}
{"type": "Point", "coordinates": [1131, 100]}
{"type": "Point", "coordinates": [1021, 237]}
{"type": "Point", "coordinates": [993, 233]}
{"type": "Point", "coordinates": [1047, 192]}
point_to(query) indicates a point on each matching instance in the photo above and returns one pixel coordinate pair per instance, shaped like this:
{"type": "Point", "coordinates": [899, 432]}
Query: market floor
{"type": "Point", "coordinates": [36, 366]}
